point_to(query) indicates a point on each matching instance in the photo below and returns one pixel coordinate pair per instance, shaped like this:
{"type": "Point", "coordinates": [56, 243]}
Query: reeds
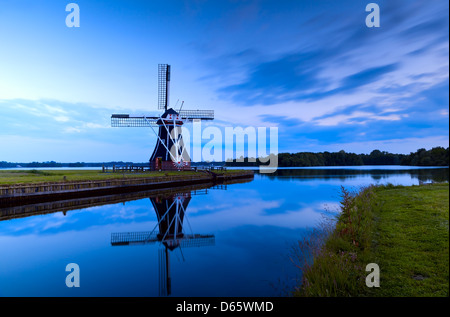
{"type": "Point", "coordinates": [330, 256]}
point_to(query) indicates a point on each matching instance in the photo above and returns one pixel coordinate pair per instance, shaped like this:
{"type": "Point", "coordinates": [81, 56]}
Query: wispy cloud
{"type": "Point", "coordinates": [44, 130]}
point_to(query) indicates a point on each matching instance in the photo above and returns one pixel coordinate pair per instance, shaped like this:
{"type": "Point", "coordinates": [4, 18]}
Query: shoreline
{"type": "Point", "coordinates": [15, 211]}
{"type": "Point", "coordinates": [402, 229]}
{"type": "Point", "coordinates": [41, 191]}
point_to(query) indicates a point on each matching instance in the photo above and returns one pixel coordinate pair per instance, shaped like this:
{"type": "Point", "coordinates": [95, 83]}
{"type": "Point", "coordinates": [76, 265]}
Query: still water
{"type": "Point", "coordinates": [229, 240]}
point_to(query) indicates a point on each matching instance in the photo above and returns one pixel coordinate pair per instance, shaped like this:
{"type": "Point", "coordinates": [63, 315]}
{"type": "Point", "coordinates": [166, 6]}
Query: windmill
{"type": "Point", "coordinates": [169, 152]}
{"type": "Point", "coordinates": [171, 213]}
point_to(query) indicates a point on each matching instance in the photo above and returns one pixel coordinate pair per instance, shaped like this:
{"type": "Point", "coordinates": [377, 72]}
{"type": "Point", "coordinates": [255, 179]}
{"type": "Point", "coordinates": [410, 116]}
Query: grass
{"type": "Point", "coordinates": [8, 177]}
{"type": "Point", "coordinates": [404, 230]}
{"type": "Point", "coordinates": [412, 241]}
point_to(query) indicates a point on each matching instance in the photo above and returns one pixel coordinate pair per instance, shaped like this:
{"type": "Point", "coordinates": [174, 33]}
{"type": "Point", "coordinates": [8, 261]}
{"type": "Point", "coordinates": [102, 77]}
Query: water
{"type": "Point", "coordinates": [237, 238]}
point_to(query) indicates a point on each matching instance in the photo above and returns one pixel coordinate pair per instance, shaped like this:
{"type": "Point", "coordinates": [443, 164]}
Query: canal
{"type": "Point", "coordinates": [226, 240]}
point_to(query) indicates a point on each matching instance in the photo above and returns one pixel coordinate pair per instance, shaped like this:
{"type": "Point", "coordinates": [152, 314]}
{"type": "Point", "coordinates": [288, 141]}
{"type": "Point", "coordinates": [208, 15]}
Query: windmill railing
{"type": "Point", "coordinates": [142, 169]}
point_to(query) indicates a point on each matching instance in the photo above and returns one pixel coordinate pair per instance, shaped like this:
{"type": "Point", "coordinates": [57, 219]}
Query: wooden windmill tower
{"type": "Point", "coordinates": [169, 152]}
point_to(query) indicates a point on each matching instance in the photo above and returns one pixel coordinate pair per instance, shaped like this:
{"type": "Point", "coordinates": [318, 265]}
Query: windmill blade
{"type": "Point", "coordinates": [127, 238]}
{"type": "Point", "coordinates": [124, 120]}
{"type": "Point", "coordinates": [197, 114]}
{"type": "Point", "coordinates": [163, 86]}
{"type": "Point", "coordinates": [198, 240]}
{"type": "Point", "coordinates": [136, 238]}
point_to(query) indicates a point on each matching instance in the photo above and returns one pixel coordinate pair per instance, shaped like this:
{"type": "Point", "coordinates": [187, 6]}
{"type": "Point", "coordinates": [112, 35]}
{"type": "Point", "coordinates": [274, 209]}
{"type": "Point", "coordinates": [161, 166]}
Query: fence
{"type": "Point", "coordinates": [26, 190]}
{"type": "Point", "coordinates": [46, 188]}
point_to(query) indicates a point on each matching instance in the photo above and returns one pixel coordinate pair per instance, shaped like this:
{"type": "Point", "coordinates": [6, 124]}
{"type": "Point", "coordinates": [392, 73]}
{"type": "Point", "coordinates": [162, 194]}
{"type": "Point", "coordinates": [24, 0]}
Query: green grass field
{"type": "Point", "coordinates": [10, 177]}
{"type": "Point", "coordinates": [39, 176]}
{"type": "Point", "coordinates": [411, 241]}
{"type": "Point", "coordinates": [405, 230]}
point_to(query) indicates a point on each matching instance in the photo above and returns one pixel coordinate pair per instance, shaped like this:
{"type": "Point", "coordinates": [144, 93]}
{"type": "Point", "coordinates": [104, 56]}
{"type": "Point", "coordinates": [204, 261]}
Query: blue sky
{"type": "Point", "coordinates": [311, 68]}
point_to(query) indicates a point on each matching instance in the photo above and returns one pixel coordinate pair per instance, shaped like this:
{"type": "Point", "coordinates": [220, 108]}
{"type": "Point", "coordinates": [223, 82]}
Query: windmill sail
{"type": "Point", "coordinates": [127, 121]}
{"type": "Point", "coordinates": [163, 86]}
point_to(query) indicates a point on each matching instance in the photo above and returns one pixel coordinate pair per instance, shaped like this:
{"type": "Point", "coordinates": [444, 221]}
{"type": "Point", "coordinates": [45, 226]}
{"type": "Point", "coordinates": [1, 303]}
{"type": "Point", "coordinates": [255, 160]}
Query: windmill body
{"type": "Point", "coordinates": [170, 212]}
{"type": "Point", "coordinates": [169, 152]}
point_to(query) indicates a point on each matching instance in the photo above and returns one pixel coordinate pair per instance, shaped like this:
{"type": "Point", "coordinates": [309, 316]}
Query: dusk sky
{"type": "Point", "coordinates": [312, 68]}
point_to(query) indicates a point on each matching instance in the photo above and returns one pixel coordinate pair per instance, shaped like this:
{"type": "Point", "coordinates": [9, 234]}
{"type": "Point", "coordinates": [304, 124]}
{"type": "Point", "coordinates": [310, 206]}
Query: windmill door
{"type": "Point", "coordinates": [158, 163]}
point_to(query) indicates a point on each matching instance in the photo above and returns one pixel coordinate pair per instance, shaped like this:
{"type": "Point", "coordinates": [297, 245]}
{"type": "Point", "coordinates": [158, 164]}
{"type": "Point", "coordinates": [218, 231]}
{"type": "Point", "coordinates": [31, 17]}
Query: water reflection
{"type": "Point", "coordinates": [377, 173]}
{"type": "Point", "coordinates": [171, 214]}
{"type": "Point", "coordinates": [231, 242]}
{"type": "Point", "coordinates": [16, 210]}
{"type": "Point", "coordinates": [172, 231]}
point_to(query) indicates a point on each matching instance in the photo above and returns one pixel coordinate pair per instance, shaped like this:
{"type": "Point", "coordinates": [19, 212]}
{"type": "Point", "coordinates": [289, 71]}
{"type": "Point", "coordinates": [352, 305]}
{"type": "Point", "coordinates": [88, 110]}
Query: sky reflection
{"type": "Point", "coordinates": [254, 226]}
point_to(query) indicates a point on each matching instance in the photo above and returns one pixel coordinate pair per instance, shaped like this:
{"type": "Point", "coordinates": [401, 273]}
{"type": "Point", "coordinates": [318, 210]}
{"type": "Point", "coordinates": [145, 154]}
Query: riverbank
{"type": "Point", "coordinates": [404, 230]}
{"type": "Point", "coordinates": [35, 186]}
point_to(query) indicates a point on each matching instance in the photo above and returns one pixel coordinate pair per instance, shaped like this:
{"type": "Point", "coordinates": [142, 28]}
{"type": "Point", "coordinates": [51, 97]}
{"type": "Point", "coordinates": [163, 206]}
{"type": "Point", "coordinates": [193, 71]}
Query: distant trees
{"type": "Point", "coordinates": [4, 164]}
{"type": "Point", "coordinates": [43, 164]}
{"type": "Point", "coordinates": [377, 157]}
{"type": "Point", "coordinates": [437, 156]}
{"type": "Point", "coordinates": [340, 158]}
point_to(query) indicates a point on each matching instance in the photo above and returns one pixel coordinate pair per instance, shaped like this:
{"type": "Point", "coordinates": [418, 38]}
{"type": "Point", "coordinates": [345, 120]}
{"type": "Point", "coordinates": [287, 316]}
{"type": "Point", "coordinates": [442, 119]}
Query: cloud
{"type": "Point", "coordinates": [259, 213]}
{"type": "Point", "coordinates": [423, 29]}
{"type": "Point", "coordinates": [366, 76]}
{"type": "Point", "coordinates": [336, 57]}
{"type": "Point", "coordinates": [284, 121]}
{"type": "Point", "coordinates": [345, 84]}
{"type": "Point", "coordinates": [277, 80]}
{"type": "Point", "coordinates": [52, 130]}
{"type": "Point", "coordinates": [393, 145]}
{"type": "Point", "coordinates": [71, 130]}
{"type": "Point", "coordinates": [358, 117]}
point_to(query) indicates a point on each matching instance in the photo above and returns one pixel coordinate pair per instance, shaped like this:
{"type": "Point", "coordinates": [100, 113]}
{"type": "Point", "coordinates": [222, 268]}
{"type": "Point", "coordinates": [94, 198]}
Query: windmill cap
{"type": "Point", "coordinates": [168, 116]}
{"type": "Point", "coordinates": [168, 112]}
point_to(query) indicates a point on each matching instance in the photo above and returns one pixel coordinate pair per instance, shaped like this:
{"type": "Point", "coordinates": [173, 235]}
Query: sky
{"type": "Point", "coordinates": [311, 68]}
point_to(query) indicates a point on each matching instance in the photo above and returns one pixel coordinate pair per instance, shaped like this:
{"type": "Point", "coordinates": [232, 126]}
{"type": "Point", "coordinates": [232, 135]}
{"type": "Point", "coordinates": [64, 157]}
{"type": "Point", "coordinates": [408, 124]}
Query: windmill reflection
{"type": "Point", "coordinates": [171, 215]}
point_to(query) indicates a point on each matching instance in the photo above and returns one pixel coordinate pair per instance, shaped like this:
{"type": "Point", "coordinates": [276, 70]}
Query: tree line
{"type": "Point", "coordinates": [4, 164]}
{"type": "Point", "coordinates": [437, 156]}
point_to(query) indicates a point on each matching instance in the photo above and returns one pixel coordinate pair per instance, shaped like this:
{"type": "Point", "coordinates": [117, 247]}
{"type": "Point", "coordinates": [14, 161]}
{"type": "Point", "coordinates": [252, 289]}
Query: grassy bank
{"type": "Point", "coordinates": [9, 177]}
{"type": "Point", "coordinates": [405, 230]}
